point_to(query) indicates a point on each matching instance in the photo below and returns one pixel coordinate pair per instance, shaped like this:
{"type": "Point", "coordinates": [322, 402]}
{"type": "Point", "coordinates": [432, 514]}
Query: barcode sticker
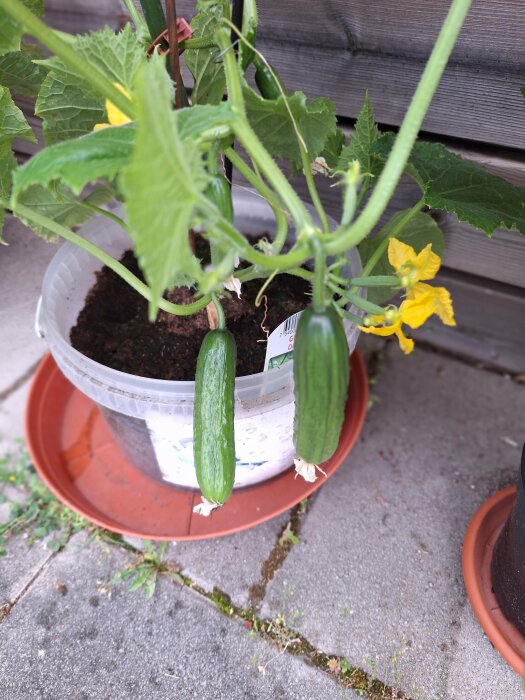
{"type": "Point", "coordinates": [279, 349]}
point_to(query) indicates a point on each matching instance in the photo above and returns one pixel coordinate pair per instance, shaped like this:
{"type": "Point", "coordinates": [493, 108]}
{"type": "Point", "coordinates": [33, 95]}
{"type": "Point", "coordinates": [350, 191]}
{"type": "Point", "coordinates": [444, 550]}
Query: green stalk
{"type": "Point", "coordinates": [107, 214]}
{"type": "Point", "coordinates": [141, 26]}
{"type": "Point", "coordinates": [251, 142]}
{"type": "Point", "coordinates": [32, 25]}
{"type": "Point", "coordinates": [117, 267]}
{"type": "Point", "coordinates": [233, 238]}
{"type": "Point", "coordinates": [154, 16]}
{"type": "Point", "coordinates": [221, 321]}
{"type": "Point", "coordinates": [312, 189]}
{"type": "Point", "coordinates": [378, 252]}
{"type": "Point", "coordinates": [408, 132]}
{"type": "Point", "coordinates": [261, 187]}
{"type": "Point", "coordinates": [318, 286]}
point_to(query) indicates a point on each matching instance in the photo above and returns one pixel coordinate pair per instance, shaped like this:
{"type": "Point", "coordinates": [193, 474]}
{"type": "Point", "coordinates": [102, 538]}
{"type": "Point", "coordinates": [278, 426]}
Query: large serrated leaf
{"type": "Point", "coordinates": [11, 31]}
{"type": "Point", "coordinates": [67, 103]}
{"type": "Point", "coordinates": [58, 203]}
{"type": "Point", "coordinates": [75, 163]}
{"type": "Point", "coordinates": [162, 186]}
{"type": "Point", "coordinates": [459, 186]}
{"type": "Point", "coordinates": [13, 124]}
{"type": "Point", "coordinates": [360, 147]}
{"type": "Point", "coordinates": [333, 147]}
{"type": "Point", "coordinates": [208, 72]}
{"type": "Point", "coordinates": [281, 123]}
{"type": "Point", "coordinates": [20, 74]}
{"type": "Point", "coordinates": [418, 232]}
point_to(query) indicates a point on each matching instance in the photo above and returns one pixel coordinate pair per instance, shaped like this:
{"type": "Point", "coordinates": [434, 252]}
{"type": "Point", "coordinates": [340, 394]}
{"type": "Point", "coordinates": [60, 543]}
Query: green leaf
{"type": "Point", "coordinates": [456, 185]}
{"type": "Point", "coordinates": [67, 103]}
{"type": "Point", "coordinates": [333, 147]}
{"type": "Point", "coordinates": [418, 232]}
{"type": "Point", "coordinates": [100, 154]}
{"type": "Point", "coordinates": [58, 203]}
{"type": "Point", "coordinates": [7, 165]}
{"type": "Point", "coordinates": [13, 124]}
{"type": "Point", "coordinates": [360, 146]}
{"type": "Point", "coordinates": [20, 74]}
{"type": "Point", "coordinates": [208, 72]}
{"type": "Point", "coordinates": [10, 31]}
{"type": "Point", "coordinates": [277, 122]}
{"type": "Point", "coordinates": [193, 121]}
{"type": "Point", "coordinates": [162, 185]}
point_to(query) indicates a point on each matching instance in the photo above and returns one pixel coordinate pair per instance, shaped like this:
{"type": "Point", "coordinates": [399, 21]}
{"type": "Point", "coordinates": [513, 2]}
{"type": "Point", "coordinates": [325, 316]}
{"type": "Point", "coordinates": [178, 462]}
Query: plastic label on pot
{"type": "Point", "coordinates": [279, 349]}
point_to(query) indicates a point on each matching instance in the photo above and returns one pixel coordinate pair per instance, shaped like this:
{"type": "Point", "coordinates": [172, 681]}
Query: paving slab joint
{"type": "Point", "coordinates": [8, 605]}
{"type": "Point", "coordinates": [22, 379]}
{"type": "Point", "coordinates": [287, 537]}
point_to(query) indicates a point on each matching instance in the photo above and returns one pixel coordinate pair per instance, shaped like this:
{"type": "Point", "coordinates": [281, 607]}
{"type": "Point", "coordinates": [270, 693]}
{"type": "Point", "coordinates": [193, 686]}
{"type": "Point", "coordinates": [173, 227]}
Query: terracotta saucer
{"type": "Point", "coordinates": [482, 534]}
{"type": "Point", "coordinates": [75, 455]}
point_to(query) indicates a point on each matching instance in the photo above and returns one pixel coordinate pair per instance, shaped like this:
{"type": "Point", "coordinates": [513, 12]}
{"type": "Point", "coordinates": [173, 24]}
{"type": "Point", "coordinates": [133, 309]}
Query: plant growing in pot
{"type": "Point", "coordinates": [162, 158]}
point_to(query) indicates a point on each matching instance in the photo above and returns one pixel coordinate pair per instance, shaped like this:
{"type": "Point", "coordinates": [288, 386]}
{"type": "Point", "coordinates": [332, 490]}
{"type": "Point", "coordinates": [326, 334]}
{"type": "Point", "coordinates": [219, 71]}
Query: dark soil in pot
{"type": "Point", "coordinates": [113, 327]}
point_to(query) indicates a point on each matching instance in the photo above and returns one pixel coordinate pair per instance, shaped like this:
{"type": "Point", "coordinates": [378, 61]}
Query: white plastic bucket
{"type": "Point", "coordinates": [152, 419]}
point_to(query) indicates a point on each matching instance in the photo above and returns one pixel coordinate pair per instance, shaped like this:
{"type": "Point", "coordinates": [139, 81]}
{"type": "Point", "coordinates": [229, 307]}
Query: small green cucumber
{"type": "Point", "coordinates": [213, 428]}
{"type": "Point", "coordinates": [321, 374]}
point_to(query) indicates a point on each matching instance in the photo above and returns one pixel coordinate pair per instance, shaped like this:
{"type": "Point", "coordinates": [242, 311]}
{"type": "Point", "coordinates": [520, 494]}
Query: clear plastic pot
{"type": "Point", "coordinates": [152, 418]}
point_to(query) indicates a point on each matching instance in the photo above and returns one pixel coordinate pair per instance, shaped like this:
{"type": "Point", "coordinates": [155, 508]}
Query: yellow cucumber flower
{"type": "Point", "coordinates": [115, 116]}
{"type": "Point", "coordinates": [422, 300]}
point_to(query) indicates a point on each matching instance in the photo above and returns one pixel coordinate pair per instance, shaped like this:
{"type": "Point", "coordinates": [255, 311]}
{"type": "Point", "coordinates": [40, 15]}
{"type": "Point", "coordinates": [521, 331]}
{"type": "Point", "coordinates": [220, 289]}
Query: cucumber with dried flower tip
{"type": "Point", "coordinates": [321, 374]}
{"type": "Point", "coordinates": [213, 428]}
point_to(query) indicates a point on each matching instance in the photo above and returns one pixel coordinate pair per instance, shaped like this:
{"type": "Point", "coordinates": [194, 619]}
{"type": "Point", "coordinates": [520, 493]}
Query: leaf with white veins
{"type": "Point", "coordinates": [162, 185]}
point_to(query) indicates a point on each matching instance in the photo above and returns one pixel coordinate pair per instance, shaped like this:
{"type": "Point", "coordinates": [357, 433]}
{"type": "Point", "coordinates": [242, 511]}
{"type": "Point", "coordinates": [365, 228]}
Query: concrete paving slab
{"type": "Point", "coordinates": [18, 568]}
{"type": "Point", "coordinates": [67, 638]}
{"type": "Point", "coordinates": [470, 676]}
{"type": "Point", "coordinates": [377, 575]}
{"type": "Point", "coordinates": [12, 410]}
{"type": "Point", "coordinates": [232, 564]}
{"type": "Point", "coordinates": [22, 266]}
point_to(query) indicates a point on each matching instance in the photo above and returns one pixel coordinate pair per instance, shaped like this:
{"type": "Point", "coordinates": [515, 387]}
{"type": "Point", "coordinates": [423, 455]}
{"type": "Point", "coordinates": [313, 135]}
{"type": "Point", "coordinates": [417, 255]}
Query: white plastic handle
{"type": "Point", "coordinates": [39, 328]}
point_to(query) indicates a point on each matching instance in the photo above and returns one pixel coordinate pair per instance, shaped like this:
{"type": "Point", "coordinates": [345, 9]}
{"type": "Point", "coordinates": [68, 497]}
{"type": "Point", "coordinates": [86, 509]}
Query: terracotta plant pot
{"type": "Point", "coordinates": [494, 570]}
{"type": "Point", "coordinates": [508, 560]}
{"type": "Point", "coordinates": [77, 457]}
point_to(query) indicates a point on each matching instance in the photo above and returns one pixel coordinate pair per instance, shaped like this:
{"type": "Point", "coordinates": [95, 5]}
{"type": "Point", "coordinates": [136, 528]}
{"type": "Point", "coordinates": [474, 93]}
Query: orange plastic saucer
{"type": "Point", "coordinates": [75, 455]}
{"type": "Point", "coordinates": [478, 546]}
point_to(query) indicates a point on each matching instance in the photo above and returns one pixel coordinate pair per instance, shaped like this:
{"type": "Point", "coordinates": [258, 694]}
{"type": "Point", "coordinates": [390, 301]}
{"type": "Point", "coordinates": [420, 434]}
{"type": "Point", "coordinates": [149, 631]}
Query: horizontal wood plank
{"type": "Point", "coordinates": [490, 323]}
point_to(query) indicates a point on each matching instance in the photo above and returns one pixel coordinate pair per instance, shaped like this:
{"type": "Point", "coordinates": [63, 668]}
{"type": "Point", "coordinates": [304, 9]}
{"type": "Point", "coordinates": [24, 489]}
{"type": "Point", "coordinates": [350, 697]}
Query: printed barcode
{"type": "Point", "coordinates": [291, 323]}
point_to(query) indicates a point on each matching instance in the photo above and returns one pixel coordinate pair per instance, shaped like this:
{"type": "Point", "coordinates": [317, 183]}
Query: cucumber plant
{"type": "Point", "coordinates": [165, 165]}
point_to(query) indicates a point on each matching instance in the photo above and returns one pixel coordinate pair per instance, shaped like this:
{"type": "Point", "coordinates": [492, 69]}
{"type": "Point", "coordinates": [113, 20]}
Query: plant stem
{"type": "Point", "coordinates": [272, 199]}
{"type": "Point", "coordinates": [378, 252]}
{"type": "Point", "coordinates": [138, 20]}
{"type": "Point", "coordinates": [408, 132]}
{"type": "Point", "coordinates": [63, 50]}
{"type": "Point", "coordinates": [107, 214]}
{"type": "Point", "coordinates": [117, 267]}
{"type": "Point", "coordinates": [251, 142]}
{"type": "Point", "coordinates": [174, 62]}
{"type": "Point", "coordinates": [312, 189]}
{"type": "Point", "coordinates": [318, 287]}
{"type": "Point", "coordinates": [154, 16]}
{"type": "Point", "coordinates": [234, 238]}
{"type": "Point", "coordinates": [220, 311]}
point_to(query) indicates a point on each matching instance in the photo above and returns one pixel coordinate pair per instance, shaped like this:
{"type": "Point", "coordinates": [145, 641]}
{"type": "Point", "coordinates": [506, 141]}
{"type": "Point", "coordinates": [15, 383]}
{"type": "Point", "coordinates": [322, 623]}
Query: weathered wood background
{"type": "Point", "coordinates": [340, 48]}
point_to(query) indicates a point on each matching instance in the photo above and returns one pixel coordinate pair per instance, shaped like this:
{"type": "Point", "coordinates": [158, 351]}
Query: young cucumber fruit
{"type": "Point", "coordinates": [213, 429]}
{"type": "Point", "coordinates": [321, 374]}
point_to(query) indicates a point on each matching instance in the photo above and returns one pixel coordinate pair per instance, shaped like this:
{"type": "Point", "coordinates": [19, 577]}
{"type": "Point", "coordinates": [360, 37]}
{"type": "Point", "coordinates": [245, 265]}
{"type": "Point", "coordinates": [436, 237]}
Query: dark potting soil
{"type": "Point", "coordinates": [113, 327]}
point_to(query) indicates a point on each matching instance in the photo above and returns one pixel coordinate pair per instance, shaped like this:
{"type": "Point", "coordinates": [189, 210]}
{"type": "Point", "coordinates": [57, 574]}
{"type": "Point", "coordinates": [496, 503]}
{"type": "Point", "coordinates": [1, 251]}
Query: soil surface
{"type": "Point", "coordinates": [113, 327]}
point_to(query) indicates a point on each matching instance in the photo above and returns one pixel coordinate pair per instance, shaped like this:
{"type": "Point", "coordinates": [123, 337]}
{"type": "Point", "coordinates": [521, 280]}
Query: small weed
{"type": "Point", "coordinates": [288, 536]}
{"type": "Point", "coordinates": [143, 572]}
{"type": "Point", "coordinates": [33, 510]}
